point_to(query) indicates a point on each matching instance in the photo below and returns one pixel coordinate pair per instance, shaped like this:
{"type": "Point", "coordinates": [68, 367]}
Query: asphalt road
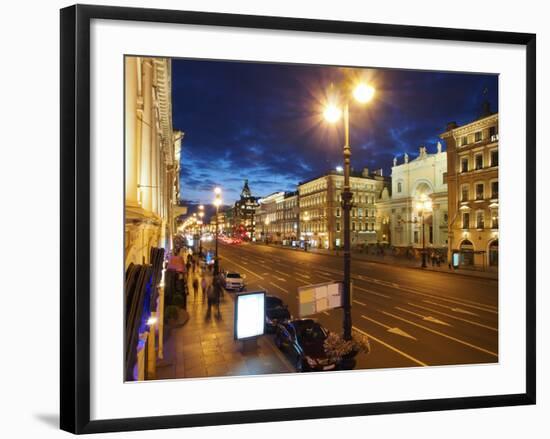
{"type": "Point", "coordinates": [412, 317]}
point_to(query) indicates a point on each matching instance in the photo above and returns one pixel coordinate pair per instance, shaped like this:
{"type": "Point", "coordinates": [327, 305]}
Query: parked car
{"type": "Point", "coordinates": [303, 339]}
{"type": "Point", "coordinates": [233, 281]}
{"type": "Point", "coordinates": [275, 311]}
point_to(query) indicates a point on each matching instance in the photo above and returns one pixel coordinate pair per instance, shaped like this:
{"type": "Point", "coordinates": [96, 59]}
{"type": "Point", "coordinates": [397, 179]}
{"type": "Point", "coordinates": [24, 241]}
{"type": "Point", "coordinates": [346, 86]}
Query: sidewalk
{"type": "Point", "coordinates": [400, 261]}
{"type": "Point", "coordinates": [206, 348]}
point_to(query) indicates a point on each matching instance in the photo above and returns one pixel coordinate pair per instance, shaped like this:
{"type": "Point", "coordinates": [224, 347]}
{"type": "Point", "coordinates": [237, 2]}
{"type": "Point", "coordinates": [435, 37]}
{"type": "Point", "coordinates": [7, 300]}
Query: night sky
{"type": "Point", "coordinates": [264, 121]}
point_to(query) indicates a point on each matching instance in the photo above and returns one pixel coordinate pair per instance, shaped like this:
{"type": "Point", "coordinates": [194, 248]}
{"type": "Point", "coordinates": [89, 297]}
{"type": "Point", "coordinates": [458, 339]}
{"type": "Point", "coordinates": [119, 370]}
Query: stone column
{"type": "Point", "coordinates": [146, 137]}
{"type": "Point", "coordinates": [131, 140]}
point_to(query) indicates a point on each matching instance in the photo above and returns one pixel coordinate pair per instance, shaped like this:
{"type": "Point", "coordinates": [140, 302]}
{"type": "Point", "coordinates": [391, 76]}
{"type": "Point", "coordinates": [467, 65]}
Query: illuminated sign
{"type": "Point", "coordinates": [456, 257]}
{"type": "Point", "coordinates": [313, 299]}
{"type": "Point", "coordinates": [249, 314]}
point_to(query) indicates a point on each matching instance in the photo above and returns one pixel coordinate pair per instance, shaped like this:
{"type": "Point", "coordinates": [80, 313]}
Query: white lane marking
{"type": "Point", "coordinates": [454, 317]}
{"type": "Point", "coordinates": [244, 268]}
{"type": "Point", "coordinates": [355, 287]}
{"type": "Point", "coordinates": [462, 302]}
{"type": "Point", "coordinates": [282, 279]}
{"type": "Point", "coordinates": [359, 303]}
{"type": "Point", "coordinates": [383, 343]}
{"type": "Point", "coordinates": [262, 288]}
{"type": "Point", "coordinates": [465, 343]}
{"type": "Point", "coordinates": [395, 330]}
{"type": "Point", "coordinates": [279, 287]}
{"type": "Point", "coordinates": [307, 276]}
{"type": "Point", "coordinates": [280, 272]}
{"type": "Point", "coordinates": [460, 310]}
{"type": "Point", "coordinates": [324, 274]}
{"type": "Point", "coordinates": [427, 318]}
{"type": "Point", "coordinates": [265, 274]}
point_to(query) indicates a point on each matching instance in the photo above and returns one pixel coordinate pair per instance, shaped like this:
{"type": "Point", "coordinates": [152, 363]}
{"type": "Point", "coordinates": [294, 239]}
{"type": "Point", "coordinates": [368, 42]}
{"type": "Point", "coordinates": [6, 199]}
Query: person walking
{"type": "Point", "coordinates": [204, 286]}
{"type": "Point", "coordinates": [195, 287]}
{"type": "Point", "coordinates": [211, 297]}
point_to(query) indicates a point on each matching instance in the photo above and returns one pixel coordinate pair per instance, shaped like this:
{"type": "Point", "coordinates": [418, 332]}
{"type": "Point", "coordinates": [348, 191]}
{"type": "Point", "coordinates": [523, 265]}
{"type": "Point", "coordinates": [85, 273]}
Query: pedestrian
{"type": "Point", "coordinates": [211, 297]}
{"type": "Point", "coordinates": [195, 286]}
{"type": "Point", "coordinates": [204, 286]}
{"type": "Point", "coordinates": [218, 289]}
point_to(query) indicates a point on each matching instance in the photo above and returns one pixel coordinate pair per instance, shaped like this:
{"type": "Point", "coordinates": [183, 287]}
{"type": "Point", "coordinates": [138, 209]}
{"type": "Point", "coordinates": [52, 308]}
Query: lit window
{"type": "Point", "coordinates": [479, 161]}
{"type": "Point", "coordinates": [478, 136]}
{"type": "Point", "coordinates": [466, 220]}
{"type": "Point", "coordinates": [479, 191]}
{"type": "Point", "coordinates": [464, 164]}
{"type": "Point", "coordinates": [399, 188]}
{"type": "Point", "coordinates": [480, 223]}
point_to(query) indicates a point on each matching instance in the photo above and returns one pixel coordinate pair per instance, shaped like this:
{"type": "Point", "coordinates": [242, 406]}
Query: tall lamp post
{"type": "Point", "coordinates": [362, 93]}
{"type": "Point", "coordinates": [201, 215]}
{"type": "Point", "coordinates": [217, 203]}
{"type": "Point", "coordinates": [424, 206]}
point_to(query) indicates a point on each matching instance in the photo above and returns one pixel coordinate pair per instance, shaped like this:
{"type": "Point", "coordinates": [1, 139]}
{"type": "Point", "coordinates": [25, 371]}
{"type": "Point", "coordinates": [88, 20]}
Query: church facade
{"type": "Point", "coordinates": [243, 214]}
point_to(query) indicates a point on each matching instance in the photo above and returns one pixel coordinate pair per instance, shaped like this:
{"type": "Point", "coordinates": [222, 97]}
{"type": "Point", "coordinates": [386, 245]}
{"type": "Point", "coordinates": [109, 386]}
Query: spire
{"type": "Point", "coordinates": [245, 193]}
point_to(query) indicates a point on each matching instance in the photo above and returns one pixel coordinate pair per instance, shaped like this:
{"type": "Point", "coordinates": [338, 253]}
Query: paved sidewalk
{"type": "Point", "coordinates": [206, 348]}
{"type": "Point", "coordinates": [412, 263]}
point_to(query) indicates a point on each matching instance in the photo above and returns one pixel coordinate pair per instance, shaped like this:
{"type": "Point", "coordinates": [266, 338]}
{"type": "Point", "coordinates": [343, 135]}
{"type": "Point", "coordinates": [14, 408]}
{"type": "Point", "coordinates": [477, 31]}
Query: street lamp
{"type": "Point", "coordinates": [217, 203]}
{"type": "Point", "coordinates": [423, 206]}
{"type": "Point", "coordinates": [201, 215]}
{"type": "Point", "coordinates": [362, 93]}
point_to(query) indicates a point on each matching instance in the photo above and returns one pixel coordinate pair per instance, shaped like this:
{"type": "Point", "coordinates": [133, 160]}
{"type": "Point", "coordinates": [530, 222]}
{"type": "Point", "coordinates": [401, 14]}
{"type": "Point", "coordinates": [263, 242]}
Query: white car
{"type": "Point", "coordinates": [233, 281]}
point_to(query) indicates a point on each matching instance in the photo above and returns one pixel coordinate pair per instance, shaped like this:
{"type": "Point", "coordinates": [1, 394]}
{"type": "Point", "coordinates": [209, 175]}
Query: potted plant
{"type": "Point", "coordinates": [344, 351]}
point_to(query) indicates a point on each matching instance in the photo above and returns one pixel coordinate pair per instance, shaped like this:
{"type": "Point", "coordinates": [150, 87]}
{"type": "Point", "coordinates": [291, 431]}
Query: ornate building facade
{"type": "Point", "coordinates": [424, 178]}
{"type": "Point", "coordinates": [472, 157]}
{"type": "Point", "coordinates": [152, 154]}
{"type": "Point", "coordinates": [243, 213]}
{"type": "Point", "coordinates": [320, 211]}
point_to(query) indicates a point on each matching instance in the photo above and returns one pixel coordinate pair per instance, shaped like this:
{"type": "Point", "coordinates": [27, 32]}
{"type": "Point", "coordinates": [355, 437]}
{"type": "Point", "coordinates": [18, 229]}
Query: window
{"type": "Point", "coordinates": [464, 141]}
{"type": "Point", "coordinates": [494, 157]}
{"type": "Point", "coordinates": [494, 189]}
{"type": "Point", "coordinates": [464, 164]}
{"type": "Point", "coordinates": [493, 135]}
{"type": "Point", "coordinates": [445, 217]}
{"type": "Point", "coordinates": [477, 136]}
{"type": "Point", "coordinates": [479, 191]}
{"type": "Point", "coordinates": [416, 236]}
{"type": "Point", "coordinates": [399, 187]}
{"type": "Point", "coordinates": [444, 178]}
{"type": "Point", "coordinates": [466, 220]}
{"type": "Point", "coordinates": [479, 161]}
{"type": "Point", "coordinates": [480, 220]}
{"type": "Point", "coordinates": [360, 212]}
{"type": "Point", "coordinates": [465, 194]}
{"type": "Point", "coordinates": [494, 220]}
{"type": "Point", "coordinates": [337, 227]}
{"type": "Point", "coordinates": [353, 227]}
{"type": "Point", "coordinates": [337, 211]}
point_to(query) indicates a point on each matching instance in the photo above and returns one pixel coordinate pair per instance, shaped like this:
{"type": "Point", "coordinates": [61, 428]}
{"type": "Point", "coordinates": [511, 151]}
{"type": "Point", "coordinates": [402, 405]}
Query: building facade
{"type": "Point", "coordinates": [152, 154]}
{"type": "Point", "coordinates": [243, 214]}
{"type": "Point", "coordinates": [404, 225]}
{"type": "Point", "coordinates": [472, 163]}
{"type": "Point", "coordinates": [321, 222]}
{"type": "Point", "coordinates": [265, 218]}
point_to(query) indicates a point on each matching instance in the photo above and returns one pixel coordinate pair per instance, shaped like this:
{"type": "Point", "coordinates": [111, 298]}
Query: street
{"type": "Point", "coordinates": [412, 317]}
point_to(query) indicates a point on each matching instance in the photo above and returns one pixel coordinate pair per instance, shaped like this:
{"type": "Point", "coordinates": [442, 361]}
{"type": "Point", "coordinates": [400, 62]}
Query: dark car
{"type": "Point", "coordinates": [303, 339]}
{"type": "Point", "coordinates": [275, 311]}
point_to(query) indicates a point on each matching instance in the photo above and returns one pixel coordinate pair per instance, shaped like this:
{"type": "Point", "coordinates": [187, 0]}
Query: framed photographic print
{"type": "Point", "coordinates": [342, 210]}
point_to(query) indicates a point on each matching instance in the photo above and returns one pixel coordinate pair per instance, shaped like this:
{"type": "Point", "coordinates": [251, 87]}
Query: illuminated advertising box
{"type": "Point", "coordinates": [249, 314]}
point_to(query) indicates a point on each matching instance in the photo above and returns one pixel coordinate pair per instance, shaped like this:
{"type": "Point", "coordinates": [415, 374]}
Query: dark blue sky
{"type": "Point", "coordinates": [264, 121]}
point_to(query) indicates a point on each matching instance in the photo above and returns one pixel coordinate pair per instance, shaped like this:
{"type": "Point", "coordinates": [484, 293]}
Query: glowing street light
{"type": "Point", "coordinates": [362, 93]}
{"type": "Point", "coordinates": [217, 202]}
{"type": "Point", "coordinates": [332, 113]}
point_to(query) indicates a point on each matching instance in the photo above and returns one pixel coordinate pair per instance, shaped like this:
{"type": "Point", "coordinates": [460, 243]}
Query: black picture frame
{"type": "Point", "coordinates": [75, 217]}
